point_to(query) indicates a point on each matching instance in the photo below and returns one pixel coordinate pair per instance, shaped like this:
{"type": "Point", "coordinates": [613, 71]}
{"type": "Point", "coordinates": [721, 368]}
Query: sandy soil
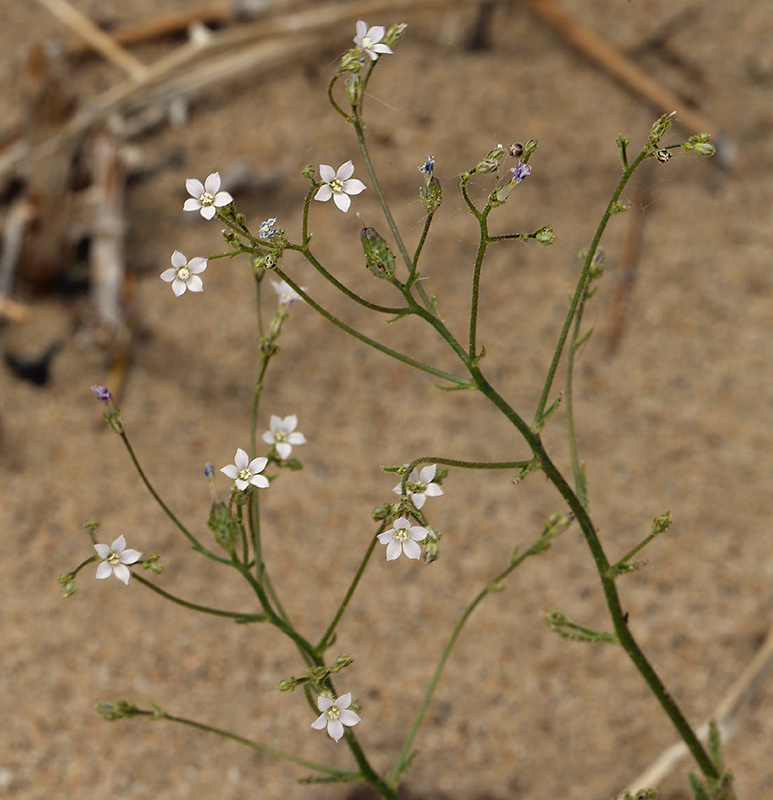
{"type": "Point", "coordinates": [678, 419]}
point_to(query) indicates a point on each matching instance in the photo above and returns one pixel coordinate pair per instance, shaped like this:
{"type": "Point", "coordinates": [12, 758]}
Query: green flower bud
{"type": "Point", "coordinates": [545, 235]}
{"type": "Point", "coordinates": [431, 195]}
{"type": "Point", "coordinates": [394, 33]}
{"type": "Point", "coordinates": [379, 258]}
{"type": "Point", "coordinates": [225, 529]}
{"type": "Point", "coordinates": [705, 149]}
{"type": "Point", "coordinates": [354, 89]}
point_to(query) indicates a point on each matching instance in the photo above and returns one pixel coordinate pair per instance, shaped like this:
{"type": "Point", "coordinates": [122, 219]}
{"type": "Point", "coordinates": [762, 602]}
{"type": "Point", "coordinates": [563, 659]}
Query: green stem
{"type": "Point", "coordinates": [438, 373]}
{"type": "Point", "coordinates": [301, 762]}
{"type": "Point", "coordinates": [581, 285]}
{"type": "Point", "coordinates": [479, 256]}
{"type": "Point", "coordinates": [324, 642]}
{"type": "Point", "coordinates": [405, 757]}
{"type": "Point", "coordinates": [195, 607]}
{"type": "Point", "coordinates": [580, 485]}
{"type": "Point", "coordinates": [419, 247]}
{"type": "Point", "coordinates": [358, 126]}
{"type": "Point", "coordinates": [197, 545]}
{"type": "Point", "coordinates": [627, 641]}
{"type": "Point", "coordinates": [307, 254]}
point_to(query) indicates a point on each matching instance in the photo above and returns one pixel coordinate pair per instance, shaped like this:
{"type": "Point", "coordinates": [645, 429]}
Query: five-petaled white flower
{"type": "Point", "coordinates": [367, 39]}
{"type": "Point", "coordinates": [245, 472]}
{"type": "Point", "coordinates": [184, 274]}
{"type": "Point", "coordinates": [115, 557]}
{"type": "Point", "coordinates": [403, 538]}
{"type": "Point", "coordinates": [335, 714]}
{"type": "Point", "coordinates": [419, 486]}
{"type": "Point", "coordinates": [206, 197]}
{"type": "Point", "coordinates": [287, 295]}
{"type": "Point", "coordinates": [338, 185]}
{"type": "Point", "coordinates": [283, 435]}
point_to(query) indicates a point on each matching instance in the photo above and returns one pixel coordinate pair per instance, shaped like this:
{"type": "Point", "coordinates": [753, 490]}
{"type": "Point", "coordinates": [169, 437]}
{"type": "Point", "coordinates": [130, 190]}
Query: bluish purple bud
{"type": "Point", "coordinates": [102, 394]}
{"type": "Point", "coordinates": [520, 172]}
{"type": "Point", "coordinates": [209, 470]}
{"type": "Point", "coordinates": [427, 167]}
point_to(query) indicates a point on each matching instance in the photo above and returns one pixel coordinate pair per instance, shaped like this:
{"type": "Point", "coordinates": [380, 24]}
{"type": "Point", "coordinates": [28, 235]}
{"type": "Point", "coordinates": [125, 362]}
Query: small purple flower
{"type": "Point", "coordinates": [103, 394]}
{"type": "Point", "coordinates": [519, 172]}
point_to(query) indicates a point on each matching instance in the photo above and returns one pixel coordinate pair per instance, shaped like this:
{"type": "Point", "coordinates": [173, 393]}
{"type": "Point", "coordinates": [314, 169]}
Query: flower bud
{"type": "Point", "coordinates": [224, 528]}
{"type": "Point", "coordinates": [705, 149]}
{"type": "Point", "coordinates": [545, 235]}
{"type": "Point", "coordinates": [379, 258]}
{"type": "Point", "coordinates": [394, 33]}
{"type": "Point", "coordinates": [354, 90]}
{"type": "Point", "coordinates": [431, 195]}
{"type": "Point", "coordinates": [663, 156]}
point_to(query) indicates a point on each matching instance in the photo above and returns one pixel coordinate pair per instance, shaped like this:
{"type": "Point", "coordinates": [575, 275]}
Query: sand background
{"type": "Point", "coordinates": [678, 418]}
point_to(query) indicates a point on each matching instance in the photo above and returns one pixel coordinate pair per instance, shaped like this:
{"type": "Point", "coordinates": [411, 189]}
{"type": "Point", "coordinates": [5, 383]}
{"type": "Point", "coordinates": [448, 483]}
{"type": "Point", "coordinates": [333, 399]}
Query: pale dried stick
{"type": "Point", "coordinates": [725, 715]}
{"type": "Point", "coordinates": [615, 63]}
{"type": "Point", "coordinates": [98, 39]}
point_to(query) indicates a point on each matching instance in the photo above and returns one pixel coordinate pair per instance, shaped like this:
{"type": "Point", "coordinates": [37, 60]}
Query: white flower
{"type": "Point", "coordinates": [287, 295]}
{"type": "Point", "coordinates": [184, 274]}
{"type": "Point", "coordinates": [245, 472]}
{"type": "Point", "coordinates": [338, 185]}
{"type": "Point", "coordinates": [282, 435]}
{"type": "Point", "coordinates": [115, 557]}
{"type": "Point", "coordinates": [367, 39]}
{"type": "Point", "coordinates": [335, 714]}
{"type": "Point", "coordinates": [206, 197]}
{"type": "Point", "coordinates": [419, 485]}
{"type": "Point", "coordinates": [403, 539]}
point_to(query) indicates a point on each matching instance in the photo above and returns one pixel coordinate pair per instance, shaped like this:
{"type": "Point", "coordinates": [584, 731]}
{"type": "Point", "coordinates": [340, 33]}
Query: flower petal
{"type": "Point", "coordinates": [394, 548]}
{"type": "Point", "coordinates": [433, 490]}
{"type": "Point", "coordinates": [103, 550]}
{"type": "Point", "coordinates": [212, 183]}
{"type": "Point", "coordinates": [344, 701]}
{"type": "Point", "coordinates": [353, 186]}
{"type": "Point", "coordinates": [195, 284]}
{"type": "Point", "coordinates": [386, 537]}
{"type": "Point", "coordinates": [284, 449]}
{"type": "Point", "coordinates": [208, 212]}
{"type": "Point", "coordinates": [342, 201]}
{"type": "Point", "coordinates": [192, 204]}
{"type": "Point", "coordinates": [104, 570]}
{"type": "Point", "coordinates": [296, 438]}
{"type": "Point", "coordinates": [335, 729]}
{"type": "Point", "coordinates": [178, 287]}
{"type": "Point", "coordinates": [259, 480]}
{"type": "Point", "coordinates": [169, 275]}
{"type": "Point", "coordinates": [241, 459]}
{"type": "Point", "coordinates": [320, 722]}
{"type": "Point", "coordinates": [345, 171]}
{"type": "Point", "coordinates": [230, 471]}
{"type": "Point", "coordinates": [418, 499]}
{"type": "Point", "coordinates": [197, 265]}
{"type": "Point", "coordinates": [122, 573]}
{"type": "Point", "coordinates": [411, 549]}
{"type": "Point", "coordinates": [427, 474]}
{"type": "Point", "coordinates": [195, 187]}
{"type": "Point", "coordinates": [376, 33]}
{"type": "Point", "coordinates": [418, 534]}
{"type": "Point", "coordinates": [324, 193]}
{"type": "Point", "coordinates": [326, 172]}
{"type": "Point", "coordinates": [258, 465]}
{"type": "Point", "coordinates": [130, 556]}
{"type": "Point", "coordinates": [361, 28]}
{"type": "Point", "coordinates": [178, 259]}
{"type": "Point", "coordinates": [348, 717]}
{"type": "Point", "coordinates": [324, 703]}
{"type": "Point", "coordinates": [222, 199]}
{"type": "Point", "coordinates": [118, 544]}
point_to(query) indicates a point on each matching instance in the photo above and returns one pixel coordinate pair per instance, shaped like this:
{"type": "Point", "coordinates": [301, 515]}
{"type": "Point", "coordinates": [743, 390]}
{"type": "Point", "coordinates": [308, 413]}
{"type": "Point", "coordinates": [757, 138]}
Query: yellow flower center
{"type": "Point", "coordinates": [333, 712]}
{"type": "Point", "coordinates": [336, 186]}
{"type": "Point", "coordinates": [183, 273]}
{"type": "Point", "coordinates": [207, 199]}
{"type": "Point", "coordinates": [113, 559]}
{"type": "Point", "coordinates": [245, 475]}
